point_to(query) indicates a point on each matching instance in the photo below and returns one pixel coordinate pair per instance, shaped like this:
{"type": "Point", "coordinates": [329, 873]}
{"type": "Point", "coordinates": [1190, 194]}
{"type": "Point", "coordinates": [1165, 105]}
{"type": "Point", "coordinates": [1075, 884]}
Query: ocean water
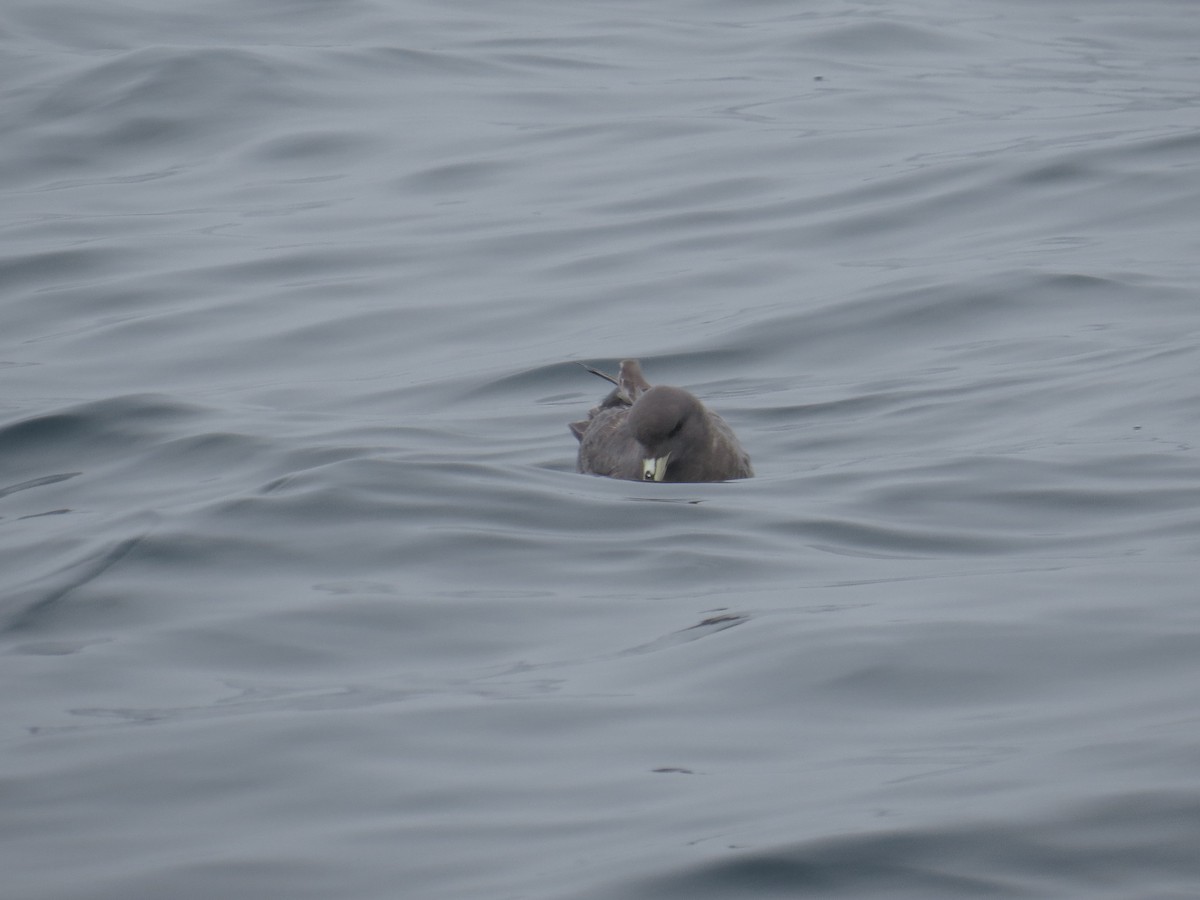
{"type": "Point", "coordinates": [301, 596]}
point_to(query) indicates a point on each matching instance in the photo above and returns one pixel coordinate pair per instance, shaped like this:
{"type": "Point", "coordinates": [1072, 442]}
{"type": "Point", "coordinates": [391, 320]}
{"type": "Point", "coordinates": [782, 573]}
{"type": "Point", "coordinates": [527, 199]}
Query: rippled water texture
{"type": "Point", "coordinates": [301, 596]}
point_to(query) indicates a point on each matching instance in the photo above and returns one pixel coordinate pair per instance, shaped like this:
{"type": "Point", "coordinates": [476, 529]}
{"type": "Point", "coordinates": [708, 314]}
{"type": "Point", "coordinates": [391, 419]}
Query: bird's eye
{"type": "Point", "coordinates": [648, 476]}
{"type": "Point", "coordinates": [678, 428]}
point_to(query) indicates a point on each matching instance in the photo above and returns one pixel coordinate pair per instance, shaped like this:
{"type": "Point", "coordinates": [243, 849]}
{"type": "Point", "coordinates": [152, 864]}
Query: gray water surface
{"type": "Point", "coordinates": [301, 597]}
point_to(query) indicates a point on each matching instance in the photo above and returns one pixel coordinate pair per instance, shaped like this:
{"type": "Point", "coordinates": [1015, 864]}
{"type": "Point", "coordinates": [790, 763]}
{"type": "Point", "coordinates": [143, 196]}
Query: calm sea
{"type": "Point", "coordinates": [301, 597]}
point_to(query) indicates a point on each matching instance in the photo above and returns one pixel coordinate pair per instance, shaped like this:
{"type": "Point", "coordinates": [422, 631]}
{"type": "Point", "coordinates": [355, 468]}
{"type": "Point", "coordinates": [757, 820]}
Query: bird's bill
{"type": "Point", "coordinates": [654, 468]}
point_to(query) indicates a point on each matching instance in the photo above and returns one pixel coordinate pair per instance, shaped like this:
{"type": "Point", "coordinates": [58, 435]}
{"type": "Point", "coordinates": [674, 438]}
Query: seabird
{"type": "Point", "coordinates": [644, 433]}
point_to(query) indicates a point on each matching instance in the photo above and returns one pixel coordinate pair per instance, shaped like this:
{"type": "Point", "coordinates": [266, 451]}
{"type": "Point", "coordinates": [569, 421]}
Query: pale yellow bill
{"type": "Point", "coordinates": [654, 469]}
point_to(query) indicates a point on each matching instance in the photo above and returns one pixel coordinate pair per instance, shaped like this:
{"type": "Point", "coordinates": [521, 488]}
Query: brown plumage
{"type": "Point", "coordinates": [644, 433]}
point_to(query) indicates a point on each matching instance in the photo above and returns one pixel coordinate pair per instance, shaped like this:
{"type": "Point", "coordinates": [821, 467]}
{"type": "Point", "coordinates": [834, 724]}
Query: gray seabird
{"type": "Point", "coordinates": [644, 433]}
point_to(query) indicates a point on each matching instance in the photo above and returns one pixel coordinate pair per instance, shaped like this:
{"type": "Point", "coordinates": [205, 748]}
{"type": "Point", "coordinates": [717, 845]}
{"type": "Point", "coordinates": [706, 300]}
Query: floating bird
{"type": "Point", "coordinates": [644, 433]}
